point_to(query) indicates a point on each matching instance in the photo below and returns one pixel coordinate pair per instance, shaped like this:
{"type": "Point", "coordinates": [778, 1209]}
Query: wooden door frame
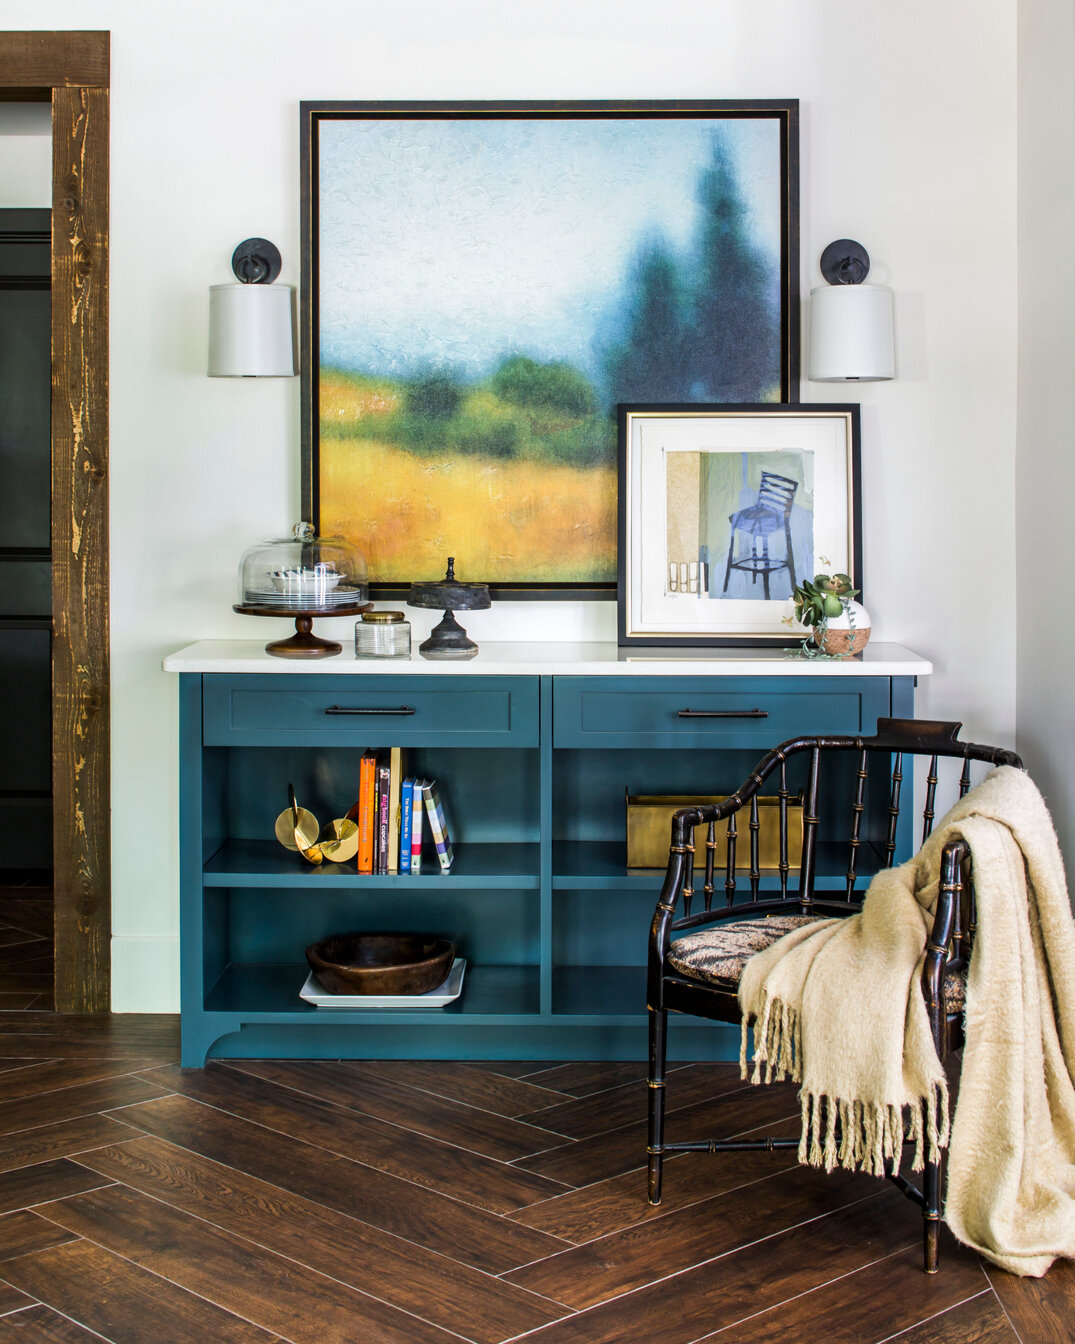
{"type": "Point", "coordinates": [71, 70]}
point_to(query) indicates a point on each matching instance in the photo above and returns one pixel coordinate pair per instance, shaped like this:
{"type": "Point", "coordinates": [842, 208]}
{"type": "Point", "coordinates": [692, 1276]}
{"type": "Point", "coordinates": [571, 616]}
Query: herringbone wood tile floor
{"type": "Point", "coordinates": [414, 1202]}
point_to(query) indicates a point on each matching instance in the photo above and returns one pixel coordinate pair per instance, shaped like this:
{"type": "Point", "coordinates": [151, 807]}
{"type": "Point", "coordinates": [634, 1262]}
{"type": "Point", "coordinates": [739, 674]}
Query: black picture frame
{"type": "Point", "coordinates": [314, 114]}
{"type": "Point", "coordinates": [636, 614]}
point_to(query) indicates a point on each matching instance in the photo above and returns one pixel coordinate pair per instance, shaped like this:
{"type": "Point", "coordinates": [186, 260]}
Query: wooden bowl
{"type": "Point", "coordinates": [381, 963]}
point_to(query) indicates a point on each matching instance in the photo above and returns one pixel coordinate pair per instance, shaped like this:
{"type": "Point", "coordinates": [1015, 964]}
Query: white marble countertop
{"type": "Point", "coordinates": [557, 659]}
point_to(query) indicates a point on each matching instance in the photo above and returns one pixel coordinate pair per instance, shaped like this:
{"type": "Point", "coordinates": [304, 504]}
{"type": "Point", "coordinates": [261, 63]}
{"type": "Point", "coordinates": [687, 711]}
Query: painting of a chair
{"type": "Point", "coordinates": [770, 512]}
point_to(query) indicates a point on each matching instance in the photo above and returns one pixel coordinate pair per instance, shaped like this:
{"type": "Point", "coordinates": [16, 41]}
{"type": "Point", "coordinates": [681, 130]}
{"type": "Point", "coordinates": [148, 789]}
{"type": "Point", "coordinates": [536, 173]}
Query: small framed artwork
{"type": "Point", "coordinates": [484, 283]}
{"type": "Point", "coordinates": [724, 509]}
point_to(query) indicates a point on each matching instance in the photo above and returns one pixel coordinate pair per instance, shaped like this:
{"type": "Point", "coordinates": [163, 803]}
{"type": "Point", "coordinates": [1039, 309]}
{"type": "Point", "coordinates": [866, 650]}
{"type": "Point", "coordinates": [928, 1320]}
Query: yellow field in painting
{"type": "Point", "coordinates": [503, 520]}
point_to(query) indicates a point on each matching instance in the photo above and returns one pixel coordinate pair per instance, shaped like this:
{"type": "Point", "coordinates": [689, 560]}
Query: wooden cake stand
{"type": "Point", "coordinates": [303, 643]}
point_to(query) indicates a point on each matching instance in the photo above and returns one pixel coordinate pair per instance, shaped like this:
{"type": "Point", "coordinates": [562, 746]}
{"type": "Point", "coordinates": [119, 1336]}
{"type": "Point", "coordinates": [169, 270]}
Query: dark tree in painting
{"type": "Point", "coordinates": [734, 335]}
{"type": "Point", "coordinates": [650, 363]}
{"type": "Point", "coordinates": [705, 327]}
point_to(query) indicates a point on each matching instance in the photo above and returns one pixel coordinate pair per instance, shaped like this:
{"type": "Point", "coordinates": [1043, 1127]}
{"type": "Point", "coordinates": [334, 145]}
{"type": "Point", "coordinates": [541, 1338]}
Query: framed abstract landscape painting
{"type": "Point", "coordinates": [724, 510]}
{"type": "Point", "coordinates": [483, 285]}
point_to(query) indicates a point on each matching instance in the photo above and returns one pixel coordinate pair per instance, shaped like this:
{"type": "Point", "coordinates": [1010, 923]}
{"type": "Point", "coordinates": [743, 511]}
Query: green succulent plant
{"type": "Point", "coordinates": [822, 600]}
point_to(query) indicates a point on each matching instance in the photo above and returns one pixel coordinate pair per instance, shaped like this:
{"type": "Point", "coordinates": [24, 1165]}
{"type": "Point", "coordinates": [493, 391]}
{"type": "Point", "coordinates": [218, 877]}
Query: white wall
{"type": "Point", "coordinates": [908, 144]}
{"type": "Point", "coordinates": [1046, 461]}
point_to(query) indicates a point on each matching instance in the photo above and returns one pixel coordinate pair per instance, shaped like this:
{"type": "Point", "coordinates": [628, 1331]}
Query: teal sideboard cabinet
{"type": "Point", "coordinates": [534, 747]}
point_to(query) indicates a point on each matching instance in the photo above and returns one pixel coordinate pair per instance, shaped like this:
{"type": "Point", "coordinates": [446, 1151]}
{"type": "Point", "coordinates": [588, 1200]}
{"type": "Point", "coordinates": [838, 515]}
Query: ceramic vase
{"type": "Point", "coordinates": [847, 633]}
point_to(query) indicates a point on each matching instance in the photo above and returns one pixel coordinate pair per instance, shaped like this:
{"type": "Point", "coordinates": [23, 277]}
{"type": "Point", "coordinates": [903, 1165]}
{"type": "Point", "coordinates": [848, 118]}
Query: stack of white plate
{"type": "Point", "coordinates": [307, 601]}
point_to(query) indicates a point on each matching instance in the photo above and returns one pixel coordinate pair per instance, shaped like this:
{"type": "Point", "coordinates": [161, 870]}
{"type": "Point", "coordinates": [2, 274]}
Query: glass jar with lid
{"type": "Point", "coordinates": [383, 634]}
{"type": "Point", "coordinates": [303, 572]}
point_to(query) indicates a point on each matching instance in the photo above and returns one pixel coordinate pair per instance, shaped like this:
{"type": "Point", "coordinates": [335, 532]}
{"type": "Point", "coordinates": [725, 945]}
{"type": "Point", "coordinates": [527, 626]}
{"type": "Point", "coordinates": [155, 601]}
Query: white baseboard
{"type": "Point", "coordinates": [145, 975]}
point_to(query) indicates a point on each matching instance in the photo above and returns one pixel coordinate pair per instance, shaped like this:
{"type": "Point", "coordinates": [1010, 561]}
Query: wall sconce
{"type": "Point", "coordinates": [252, 324]}
{"type": "Point", "coordinates": [850, 322]}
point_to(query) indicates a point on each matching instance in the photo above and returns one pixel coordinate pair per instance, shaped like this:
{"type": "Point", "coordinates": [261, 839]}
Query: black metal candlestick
{"type": "Point", "coordinates": [449, 639]}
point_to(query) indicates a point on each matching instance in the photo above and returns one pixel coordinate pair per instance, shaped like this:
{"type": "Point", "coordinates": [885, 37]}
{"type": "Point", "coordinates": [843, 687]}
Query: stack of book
{"type": "Point", "coordinates": [392, 810]}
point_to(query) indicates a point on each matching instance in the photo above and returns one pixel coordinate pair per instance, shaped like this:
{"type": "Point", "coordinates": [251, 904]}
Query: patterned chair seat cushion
{"type": "Point", "coordinates": [717, 955]}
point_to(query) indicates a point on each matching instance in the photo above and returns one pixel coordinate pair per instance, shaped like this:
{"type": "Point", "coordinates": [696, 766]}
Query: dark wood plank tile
{"type": "Point", "coordinates": [871, 1304]}
{"type": "Point", "coordinates": [122, 1302]}
{"type": "Point", "coordinates": [66, 1104]}
{"type": "Point", "coordinates": [32, 916]}
{"type": "Point", "coordinates": [478, 1180]}
{"type": "Point", "coordinates": [596, 1210]}
{"type": "Point", "coordinates": [429, 1219]}
{"type": "Point", "coordinates": [12, 1300]}
{"type": "Point", "coordinates": [10, 1065]}
{"type": "Point", "coordinates": [122, 1036]}
{"type": "Point", "coordinates": [48, 1180]}
{"type": "Point", "coordinates": [979, 1321]}
{"type": "Point", "coordinates": [604, 1155]}
{"type": "Point", "coordinates": [696, 1303]}
{"type": "Point", "coordinates": [38, 981]}
{"type": "Point", "coordinates": [468, 1083]}
{"type": "Point", "coordinates": [450, 1294]}
{"type": "Point", "coordinates": [30, 956]}
{"type": "Point", "coordinates": [583, 1117]}
{"type": "Point", "coordinates": [581, 1079]}
{"type": "Point", "coordinates": [65, 1139]}
{"type": "Point", "coordinates": [15, 1001]}
{"type": "Point", "coordinates": [63, 1073]}
{"type": "Point", "coordinates": [42, 1325]}
{"type": "Point", "coordinates": [1039, 1309]}
{"type": "Point", "coordinates": [586, 1275]}
{"type": "Point", "coordinates": [10, 937]}
{"type": "Point", "coordinates": [23, 1233]}
{"type": "Point", "coordinates": [436, 1117]}
{"type": "Point", "coordinates": [511, 1068]}
{"type": "Point", "coordinates": [246, 1280]}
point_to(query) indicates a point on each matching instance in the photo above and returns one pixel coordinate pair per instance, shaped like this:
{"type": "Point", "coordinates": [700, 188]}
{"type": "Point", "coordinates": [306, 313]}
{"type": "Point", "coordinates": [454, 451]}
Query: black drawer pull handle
{"type": "Point", "coordinates": [723, 714]}
{"type": "Point", "coordinates": [346, 709]}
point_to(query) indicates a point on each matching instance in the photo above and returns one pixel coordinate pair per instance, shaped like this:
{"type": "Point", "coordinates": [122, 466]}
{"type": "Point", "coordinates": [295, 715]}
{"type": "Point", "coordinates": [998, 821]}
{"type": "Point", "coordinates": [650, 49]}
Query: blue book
{"type": "Point", "coordinates": [437, 824]}
{"type": "Point", "coordinates": [406, 809]}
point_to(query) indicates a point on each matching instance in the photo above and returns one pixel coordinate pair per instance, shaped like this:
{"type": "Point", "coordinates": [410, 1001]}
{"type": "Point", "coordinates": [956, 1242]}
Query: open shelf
{"type": "Point", "coordinates": [264, 863]}
{"type": "Point", "coordinates": [599, 991]}
{"type": "Point", "coordinates": [600, 865]}
{"type": "Point", "coordinates": [260, 991]}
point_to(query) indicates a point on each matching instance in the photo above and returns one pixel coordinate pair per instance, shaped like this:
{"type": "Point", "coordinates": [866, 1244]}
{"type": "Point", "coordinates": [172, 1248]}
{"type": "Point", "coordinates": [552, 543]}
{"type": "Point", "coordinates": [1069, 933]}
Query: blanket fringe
{"type": "Point", "coordinates": [777, 1045]}
{"type": "Point", "coordinates": [856, 1134]}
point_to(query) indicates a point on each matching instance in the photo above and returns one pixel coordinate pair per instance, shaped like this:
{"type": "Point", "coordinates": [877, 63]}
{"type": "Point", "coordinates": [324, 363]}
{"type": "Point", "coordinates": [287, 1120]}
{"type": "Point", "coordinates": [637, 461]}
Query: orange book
{"type": "Point", "coordinates": [366, 828]}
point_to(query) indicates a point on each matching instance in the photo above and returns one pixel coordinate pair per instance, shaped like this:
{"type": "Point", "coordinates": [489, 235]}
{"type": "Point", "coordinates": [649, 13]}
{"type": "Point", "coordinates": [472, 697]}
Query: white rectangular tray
{"type": "Point", "coordinates": [444, 994]}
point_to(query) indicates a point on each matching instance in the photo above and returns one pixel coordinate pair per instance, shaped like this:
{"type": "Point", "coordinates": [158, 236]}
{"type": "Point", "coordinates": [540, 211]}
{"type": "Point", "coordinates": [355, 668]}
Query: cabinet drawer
{"type": "Point", "coordinates": [359, 711]}
{"type": "Point", "coordinates": [729, 712]}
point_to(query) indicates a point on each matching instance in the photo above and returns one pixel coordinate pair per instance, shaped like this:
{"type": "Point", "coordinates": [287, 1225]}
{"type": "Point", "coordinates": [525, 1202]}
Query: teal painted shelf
{"type": "Point", "coordinates": [552, 924]}
{"type": "Point", "coordinates": [600, 865]}
{"type": "Point", "coordinates": [272, 993]}
{"type": "Point", "coordinates": [264, 863]}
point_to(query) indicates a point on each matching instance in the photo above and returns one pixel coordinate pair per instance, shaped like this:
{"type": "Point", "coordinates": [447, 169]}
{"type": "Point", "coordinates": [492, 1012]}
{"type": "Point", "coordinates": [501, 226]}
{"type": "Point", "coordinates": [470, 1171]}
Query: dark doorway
{"type": "Point", "coordinates": [25, 610]}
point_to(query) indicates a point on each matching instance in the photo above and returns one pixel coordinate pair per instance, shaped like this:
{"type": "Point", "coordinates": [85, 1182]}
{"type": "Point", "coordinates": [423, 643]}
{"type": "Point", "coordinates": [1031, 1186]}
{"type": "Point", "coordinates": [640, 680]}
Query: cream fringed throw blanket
{"type": "Point", "coordinates": [839, 1008]}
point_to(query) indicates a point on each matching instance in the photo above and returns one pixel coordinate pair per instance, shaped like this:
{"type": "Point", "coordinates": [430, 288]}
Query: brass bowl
{"type": "Point", "coordinates": [381, 963]}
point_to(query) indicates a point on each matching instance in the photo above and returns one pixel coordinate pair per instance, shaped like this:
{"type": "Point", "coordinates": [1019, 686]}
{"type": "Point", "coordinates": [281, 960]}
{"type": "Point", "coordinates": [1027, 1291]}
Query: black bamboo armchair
{"type": "Point", "coordinates": [828, 878]}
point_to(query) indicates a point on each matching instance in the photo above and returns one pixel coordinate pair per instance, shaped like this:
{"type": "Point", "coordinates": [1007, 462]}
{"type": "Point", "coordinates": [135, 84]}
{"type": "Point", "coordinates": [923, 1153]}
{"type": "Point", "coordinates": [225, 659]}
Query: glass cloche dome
{"type": "Point", "coordinates": [303, 572]}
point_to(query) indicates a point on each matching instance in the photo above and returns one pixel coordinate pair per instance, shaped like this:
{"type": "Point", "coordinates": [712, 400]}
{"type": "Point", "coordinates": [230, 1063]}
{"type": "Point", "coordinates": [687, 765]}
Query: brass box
{"type": "Point", "coordinates": [649, 832]}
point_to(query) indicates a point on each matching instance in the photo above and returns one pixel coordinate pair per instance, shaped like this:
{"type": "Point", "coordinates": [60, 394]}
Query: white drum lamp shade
{"type": "Point", "coordinates": [252, 331]}
{"type": "Point", "coordinates": [851, 334]}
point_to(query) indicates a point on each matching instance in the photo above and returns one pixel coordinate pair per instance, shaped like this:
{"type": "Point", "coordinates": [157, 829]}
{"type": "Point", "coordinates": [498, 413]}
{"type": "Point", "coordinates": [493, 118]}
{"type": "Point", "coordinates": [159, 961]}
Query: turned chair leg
{"type": "Point", "coordinates": [658, 1023]}
{"type": "Point", "coordinates": [932, 1181]}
